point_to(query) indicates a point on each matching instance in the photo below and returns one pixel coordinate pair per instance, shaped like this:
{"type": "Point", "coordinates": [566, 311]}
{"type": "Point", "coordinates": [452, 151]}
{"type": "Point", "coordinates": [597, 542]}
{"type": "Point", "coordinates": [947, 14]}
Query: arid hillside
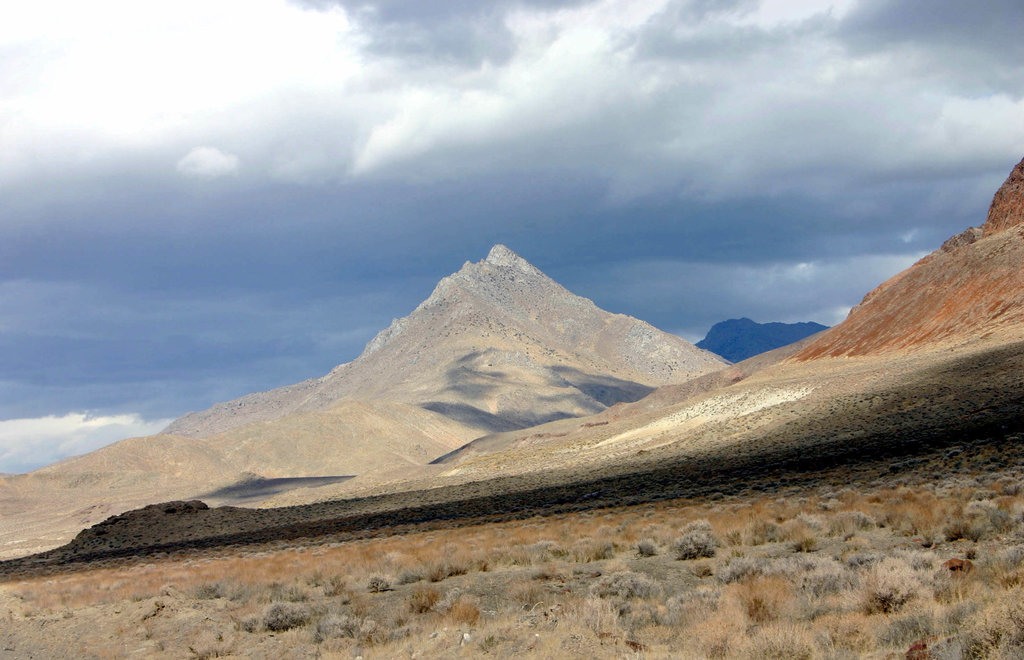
{"type": "Point", "coordinates": [972, 287]}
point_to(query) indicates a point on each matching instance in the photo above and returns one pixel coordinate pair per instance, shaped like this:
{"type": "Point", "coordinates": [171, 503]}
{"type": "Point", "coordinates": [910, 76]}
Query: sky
{"type": "Point", "coordinates": [201, 199]}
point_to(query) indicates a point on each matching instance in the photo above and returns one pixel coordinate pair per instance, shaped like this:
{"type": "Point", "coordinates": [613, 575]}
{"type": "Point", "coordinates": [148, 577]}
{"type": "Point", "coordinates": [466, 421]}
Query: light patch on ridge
{"type": "Point", "coordinates": [716, 408]}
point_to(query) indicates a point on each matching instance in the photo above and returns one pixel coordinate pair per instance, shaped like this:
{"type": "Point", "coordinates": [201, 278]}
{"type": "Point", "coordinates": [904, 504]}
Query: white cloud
{"type": "Point", "coordinates": [207, 163]}
{"type": "Point", "coordinates": [27, 444]}
{"type": "Point", "coordinates": [644, 95]}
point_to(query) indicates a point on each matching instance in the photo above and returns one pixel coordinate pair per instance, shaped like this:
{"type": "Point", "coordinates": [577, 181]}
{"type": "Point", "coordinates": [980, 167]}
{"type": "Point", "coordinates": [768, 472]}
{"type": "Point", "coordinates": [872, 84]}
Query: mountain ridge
{"type": "Point", "coordinates": [742, 338]}
{"type": "Point", "coordinates": [497, 345]}
{"type": "Point", "coordinates": [968, 289]}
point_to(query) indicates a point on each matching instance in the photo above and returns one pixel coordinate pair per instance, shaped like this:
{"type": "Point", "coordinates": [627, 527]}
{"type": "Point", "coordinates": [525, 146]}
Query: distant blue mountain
{"type": "Point", "coordinates": [738, 339]}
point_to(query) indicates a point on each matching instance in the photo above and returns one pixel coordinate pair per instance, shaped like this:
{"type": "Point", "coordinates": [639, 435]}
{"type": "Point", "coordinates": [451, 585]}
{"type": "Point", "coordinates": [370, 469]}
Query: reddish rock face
{"type": "Point", "coordinates": [958, 565]}
{"type": "Point", "coordinates": [1007, 208]}
{"type": "Point", "coordinates": [971, 287]}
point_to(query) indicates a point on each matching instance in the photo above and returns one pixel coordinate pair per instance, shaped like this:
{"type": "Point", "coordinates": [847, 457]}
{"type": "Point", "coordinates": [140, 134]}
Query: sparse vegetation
{"type": "Point", "coordinates": [285, 616]}
{"type": "Point", "coordinates": [828, 572]}
{"type": "Point", "coordinates": [377, 584]}
{"type": "Point", "coordinates": [695, 545]}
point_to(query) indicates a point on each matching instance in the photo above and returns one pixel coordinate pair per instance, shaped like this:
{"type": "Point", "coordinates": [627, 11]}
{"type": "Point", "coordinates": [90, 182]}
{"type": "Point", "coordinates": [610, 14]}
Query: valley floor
{"type": "Point", "coordinates": [853, 564]}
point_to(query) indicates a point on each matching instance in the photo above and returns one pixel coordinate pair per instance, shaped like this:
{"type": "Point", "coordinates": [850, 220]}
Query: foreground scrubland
{"type": "Point", "coordinates": [809, 571]}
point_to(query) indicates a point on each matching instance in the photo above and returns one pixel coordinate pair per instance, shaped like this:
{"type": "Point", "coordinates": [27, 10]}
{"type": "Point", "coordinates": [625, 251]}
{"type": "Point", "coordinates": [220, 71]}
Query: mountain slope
{"type": "Point", "coordinates": [497, 346]}
{"type": "Point", "coordinates": [970, 288]}
{"type": "Point", "coordinates": [739, 339]}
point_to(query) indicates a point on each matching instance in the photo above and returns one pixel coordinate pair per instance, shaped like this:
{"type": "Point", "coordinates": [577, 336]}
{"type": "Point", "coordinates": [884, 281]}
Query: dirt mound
{"type": "Point", "coordinates": [136, 524]}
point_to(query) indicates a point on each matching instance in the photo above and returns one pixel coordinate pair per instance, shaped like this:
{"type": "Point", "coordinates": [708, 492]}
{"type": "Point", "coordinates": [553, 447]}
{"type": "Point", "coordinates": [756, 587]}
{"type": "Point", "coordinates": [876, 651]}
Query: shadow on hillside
{"type": "Point", "coordinates": [607, 390]}
{"type": "Point", "coordinates": [252, 491]}
{"type": "Point", "coordinates": [470, 416]}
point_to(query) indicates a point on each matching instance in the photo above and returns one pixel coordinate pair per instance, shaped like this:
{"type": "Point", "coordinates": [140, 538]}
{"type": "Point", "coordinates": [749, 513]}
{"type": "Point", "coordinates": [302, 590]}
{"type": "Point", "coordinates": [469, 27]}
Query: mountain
{"type": "Point", "coordinates": [497, 346]}
{"type": "Point", "coordinates": [969, 289]}
{"type": "Point", "coordinates": [931, 357]}
{"type": "Point", "coordinates": [739, 339]}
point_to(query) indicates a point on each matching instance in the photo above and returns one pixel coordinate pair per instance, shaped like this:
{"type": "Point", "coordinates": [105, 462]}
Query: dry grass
{"type": "Point", "coordinates": [830, 573]}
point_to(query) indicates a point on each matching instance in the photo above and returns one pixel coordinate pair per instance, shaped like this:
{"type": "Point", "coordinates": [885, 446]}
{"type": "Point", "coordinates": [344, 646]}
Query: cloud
{"type": "Point", "coordinates": [207, 163]}
{"type": "Point", "coordinates": [663, 291]}
{"type": "Point", "coordinates": [26, 444]}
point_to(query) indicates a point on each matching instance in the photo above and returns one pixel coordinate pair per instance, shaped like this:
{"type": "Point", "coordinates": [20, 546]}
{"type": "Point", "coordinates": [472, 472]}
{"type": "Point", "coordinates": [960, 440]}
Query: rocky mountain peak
{"type": "Point", "coordinates": [497, 345]}
{"type": "Point", "coordinates": [1007, 208]}
{"type": "Point", "coordinates": [502, 256]}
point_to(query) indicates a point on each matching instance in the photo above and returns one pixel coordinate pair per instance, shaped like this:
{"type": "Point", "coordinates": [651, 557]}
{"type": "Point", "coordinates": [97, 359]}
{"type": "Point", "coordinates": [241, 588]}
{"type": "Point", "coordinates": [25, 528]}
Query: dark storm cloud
{"type": "Point", "coordinates": [974, 47]}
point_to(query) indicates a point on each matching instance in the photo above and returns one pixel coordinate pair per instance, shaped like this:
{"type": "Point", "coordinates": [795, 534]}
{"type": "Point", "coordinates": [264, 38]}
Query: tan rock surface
{"type": "Point", "coordinates": [497, 345]}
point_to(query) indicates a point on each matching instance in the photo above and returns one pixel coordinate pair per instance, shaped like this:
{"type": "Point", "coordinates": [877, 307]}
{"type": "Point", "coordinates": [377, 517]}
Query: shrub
{"type": "Point", "coordinates": [625, 584]}
{"type": "Point", "coordinates": [423, 599]}
{"type": "Point", "coordinates": [764, 531]}
{"type": "Point", "coordinates": [338, 625]}
{"type": "Point", "coordinates": [285, 616]}
{"type": "Point", "coordinates": [409, 577]}
{"type": "Point", "coordinates": [378, 584]}
{"type": "Point", "coordinates": [588, 550]}
{"type": "Point", "coordinates": [742, 568]}
{"type": "Point", "coordinates": [695, 545]}
{"type": "Point", "coordinates": [996, 632]}
{"type": "Point", "coordinates": [889, 586]}
{"type": "Point", "coordinates": [763, 599]}
{"type": "Point", "coordinates": [646, 548]}
{"type": "Point", "coordinates": [904, 630]}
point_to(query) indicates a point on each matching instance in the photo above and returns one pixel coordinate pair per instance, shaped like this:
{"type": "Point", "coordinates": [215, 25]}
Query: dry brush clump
{"type": "Point", "coordinates": [696, 541]}
{"type": "Point", "coordinates": [285, 616]}
{"type": "Point", "coordinates": [889, 585]}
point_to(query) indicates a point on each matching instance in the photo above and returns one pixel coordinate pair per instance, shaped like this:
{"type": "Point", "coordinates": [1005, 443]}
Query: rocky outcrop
{"type": "Point", "coordinates": [1007, 209]}
{"type": "Point", "coordinates": [966, 237]}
